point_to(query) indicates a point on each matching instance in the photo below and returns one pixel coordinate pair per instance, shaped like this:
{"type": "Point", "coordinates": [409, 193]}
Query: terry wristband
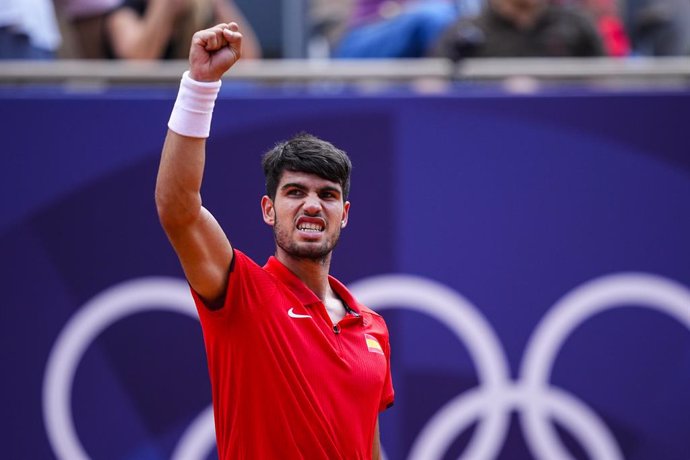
{"type": "Point", "coordinates": [191, 115]}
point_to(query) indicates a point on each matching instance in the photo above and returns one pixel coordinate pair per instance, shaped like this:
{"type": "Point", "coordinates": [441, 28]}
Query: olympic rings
{"type": "Point", "coordinates": [531, 395]}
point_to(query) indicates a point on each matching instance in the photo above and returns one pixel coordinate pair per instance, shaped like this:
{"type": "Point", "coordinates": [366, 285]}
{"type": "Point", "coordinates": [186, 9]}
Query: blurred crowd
{"type": "Point", "coordinates": [457, 29]}
{"type": "Point", "coordinates": [112, 29]}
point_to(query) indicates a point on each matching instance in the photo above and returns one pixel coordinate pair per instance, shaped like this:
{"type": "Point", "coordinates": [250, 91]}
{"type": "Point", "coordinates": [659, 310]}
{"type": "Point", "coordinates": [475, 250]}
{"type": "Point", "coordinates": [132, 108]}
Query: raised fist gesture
{"type": "Point", "coordinates": [214, 51]}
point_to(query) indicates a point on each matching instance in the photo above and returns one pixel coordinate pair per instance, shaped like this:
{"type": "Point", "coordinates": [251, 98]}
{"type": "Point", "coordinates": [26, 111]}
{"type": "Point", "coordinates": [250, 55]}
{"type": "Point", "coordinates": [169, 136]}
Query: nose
{"type": "Point", "coordinates": [312, 205]}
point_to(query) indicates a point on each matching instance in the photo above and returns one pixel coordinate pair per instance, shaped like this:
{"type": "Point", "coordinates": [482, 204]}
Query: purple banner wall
{"type": "Point", "coordinates": [529, 253]}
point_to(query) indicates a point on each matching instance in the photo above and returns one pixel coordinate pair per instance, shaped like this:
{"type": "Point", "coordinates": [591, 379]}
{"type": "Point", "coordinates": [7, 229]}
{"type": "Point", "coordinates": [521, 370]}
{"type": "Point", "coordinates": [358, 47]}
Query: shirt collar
{"type": "Point", "coordinates": [305, 295]}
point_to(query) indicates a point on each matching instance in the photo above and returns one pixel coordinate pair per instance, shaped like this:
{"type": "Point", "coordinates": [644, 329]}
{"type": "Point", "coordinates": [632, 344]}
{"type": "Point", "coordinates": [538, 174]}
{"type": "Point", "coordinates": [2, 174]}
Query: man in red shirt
{"type": "Point", "coordinates": [299, 369]}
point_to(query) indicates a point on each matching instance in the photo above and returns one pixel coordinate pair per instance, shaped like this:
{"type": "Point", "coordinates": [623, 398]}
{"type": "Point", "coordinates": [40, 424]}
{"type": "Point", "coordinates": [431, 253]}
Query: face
{"type": "Point", "coordinates": [523, 13]}
{"type": "Point", "coordinates": [307, 215]}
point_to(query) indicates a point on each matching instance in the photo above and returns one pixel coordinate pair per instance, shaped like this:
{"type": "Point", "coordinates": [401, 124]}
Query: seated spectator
{"type": "Point", "coordinates": [87, 25]}
{"type": "Point", "coordinates": [658, 27]}
{"type": "Point", "coordinates": [149, 29]}
{"type": "Point", "coordinates": [606, 17]}
{"type": "Point", "coordinates": [521, 28]}
{"type": "Point", "coordinates": [327, 20]}
{"type": "Point", "coordinates": [395, 29]}
{"type": "Point", "coordinates": [28, 29]}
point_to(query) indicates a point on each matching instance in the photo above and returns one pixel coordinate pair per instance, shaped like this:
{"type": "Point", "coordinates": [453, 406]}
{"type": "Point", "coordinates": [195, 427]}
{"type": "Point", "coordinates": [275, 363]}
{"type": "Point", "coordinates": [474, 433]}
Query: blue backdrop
{"type": "Point", "coordinates": [529, 253]}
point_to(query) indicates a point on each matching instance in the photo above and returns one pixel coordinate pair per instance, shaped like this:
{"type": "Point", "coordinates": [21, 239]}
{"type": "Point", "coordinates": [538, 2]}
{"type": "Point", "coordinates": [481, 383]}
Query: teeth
{"type": "Point", "coordinates": [309, 227]}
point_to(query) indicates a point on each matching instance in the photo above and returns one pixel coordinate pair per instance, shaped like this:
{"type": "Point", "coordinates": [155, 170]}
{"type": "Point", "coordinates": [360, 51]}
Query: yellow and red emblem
{"type": "Point", "coordinates": [373, 345]}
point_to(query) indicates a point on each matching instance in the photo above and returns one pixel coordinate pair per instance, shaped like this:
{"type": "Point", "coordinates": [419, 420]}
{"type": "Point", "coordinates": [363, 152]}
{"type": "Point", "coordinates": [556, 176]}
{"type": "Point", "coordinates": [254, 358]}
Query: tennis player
{"type": "Point", "coordinates": [298, 367]}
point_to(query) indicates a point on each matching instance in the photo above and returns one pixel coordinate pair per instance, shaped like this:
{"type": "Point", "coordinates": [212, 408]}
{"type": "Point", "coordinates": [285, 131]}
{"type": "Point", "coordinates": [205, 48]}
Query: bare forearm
{"type": "Point", "coordinates": [179, 179]}
{"type": "Point", "coordinates": [146, 37]}
{"type": "Point", "coordinates": [376, 449]}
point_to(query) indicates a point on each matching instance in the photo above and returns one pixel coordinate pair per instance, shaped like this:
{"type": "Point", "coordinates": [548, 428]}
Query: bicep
{"type": "Point", "coordinates": [205, 254]}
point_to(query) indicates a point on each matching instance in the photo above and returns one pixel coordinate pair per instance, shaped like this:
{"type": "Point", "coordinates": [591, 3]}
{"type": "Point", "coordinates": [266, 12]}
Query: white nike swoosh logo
{"type": "Point", "coordinates": [292, 314]}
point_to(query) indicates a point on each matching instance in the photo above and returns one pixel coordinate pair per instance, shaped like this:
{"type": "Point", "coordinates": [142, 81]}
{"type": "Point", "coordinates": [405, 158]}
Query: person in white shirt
{"type": "Point", "coordinates": [28, 29]}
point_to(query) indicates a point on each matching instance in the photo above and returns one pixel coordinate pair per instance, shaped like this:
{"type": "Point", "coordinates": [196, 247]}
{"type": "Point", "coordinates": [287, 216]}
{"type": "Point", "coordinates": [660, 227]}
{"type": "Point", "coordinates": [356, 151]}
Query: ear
{"type": "Point", "coordinates": [346, 214]}
{"type": "Point", "coordinates": [268, 210]}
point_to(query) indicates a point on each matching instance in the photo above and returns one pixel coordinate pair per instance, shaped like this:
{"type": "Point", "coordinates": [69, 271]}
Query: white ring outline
{"type": "Point", "coordinates": [596, 296]}
{"type": "Point", "coordinates": [462, 317]}
{"type": "Point", "coordinates": [534, 399]}
{"type": "Point", "coordinates": [99, 313]}
{"type": "Point", "coordinates": [199, 439]}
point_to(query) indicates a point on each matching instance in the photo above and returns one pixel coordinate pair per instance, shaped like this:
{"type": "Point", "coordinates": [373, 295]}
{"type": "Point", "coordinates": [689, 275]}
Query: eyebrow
{"type": "Point", "coordinates": [293, 185]}
{"type": "Point", "coordinates": [327, 188]}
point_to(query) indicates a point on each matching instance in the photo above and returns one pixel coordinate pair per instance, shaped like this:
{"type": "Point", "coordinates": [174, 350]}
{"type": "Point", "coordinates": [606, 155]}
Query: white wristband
{"type": "Point", "coordinates": [191, 115]}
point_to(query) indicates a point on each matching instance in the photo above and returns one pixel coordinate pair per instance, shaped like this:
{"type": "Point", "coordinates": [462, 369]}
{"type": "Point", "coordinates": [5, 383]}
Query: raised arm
{"type": "Point", "coordinates": [200, 243]}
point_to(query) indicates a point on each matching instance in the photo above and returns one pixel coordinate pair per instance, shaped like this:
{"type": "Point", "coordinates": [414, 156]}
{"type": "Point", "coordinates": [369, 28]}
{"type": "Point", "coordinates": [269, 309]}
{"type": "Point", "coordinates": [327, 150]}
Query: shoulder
{"type": "Point", "coordinates": [368, 311]}
{"type": "Point", "coordinates": [373, 320]}
{"type": "Point", "coordinates": [246, 269]}
{"type": "Point", "coordinates": [247, 283]}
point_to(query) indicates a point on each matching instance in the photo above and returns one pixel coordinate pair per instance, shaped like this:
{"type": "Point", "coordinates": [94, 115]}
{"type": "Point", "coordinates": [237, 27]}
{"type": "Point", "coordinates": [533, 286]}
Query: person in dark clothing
{"type": "Point", "coordinates": [521, 28]}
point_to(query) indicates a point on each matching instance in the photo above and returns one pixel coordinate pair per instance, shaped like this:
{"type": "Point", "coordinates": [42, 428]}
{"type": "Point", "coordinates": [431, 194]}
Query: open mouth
{"type": "Point", "coordinates": [311, 228]}
{"type": "Point", "coordinates": [310, 225]}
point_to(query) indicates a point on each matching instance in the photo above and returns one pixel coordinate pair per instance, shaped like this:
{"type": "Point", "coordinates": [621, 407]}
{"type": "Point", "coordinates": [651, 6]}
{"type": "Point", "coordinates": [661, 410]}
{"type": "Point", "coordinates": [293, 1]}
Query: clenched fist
{"type": "Point", "coordinates": [214, 51]}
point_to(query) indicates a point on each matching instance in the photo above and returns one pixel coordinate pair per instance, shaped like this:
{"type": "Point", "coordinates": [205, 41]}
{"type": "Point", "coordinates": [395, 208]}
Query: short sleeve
{"type": "Point", "coordinates": [243, 274]}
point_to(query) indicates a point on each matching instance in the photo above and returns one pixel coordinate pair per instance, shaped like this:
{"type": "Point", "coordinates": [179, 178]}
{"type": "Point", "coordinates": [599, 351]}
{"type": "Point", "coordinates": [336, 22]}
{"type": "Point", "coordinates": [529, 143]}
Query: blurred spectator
{"type": "Point", "coordinates": [87, 24]}
{"type": "Point", "coordinates": [149, 29]}
{"type": "Point", "coordinates": [28, 29]}
{"type": "Point", "coordinates": [606, 17]}
{"type": "Point", "coordinates": [395, 29]}
{"type": "Point", "coordinates": [521, 28]}
{"type": "Point", "coordinates": [658, 27]}
{"type": "Point", "coordinates": [611, 27]}
{"type": "Point", "coordinates": [328, 20]}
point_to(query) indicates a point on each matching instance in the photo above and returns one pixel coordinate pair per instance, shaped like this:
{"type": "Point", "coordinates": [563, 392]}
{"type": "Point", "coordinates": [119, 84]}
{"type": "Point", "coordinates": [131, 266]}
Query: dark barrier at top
{"type": "Point", "coordinates": [530, 255]}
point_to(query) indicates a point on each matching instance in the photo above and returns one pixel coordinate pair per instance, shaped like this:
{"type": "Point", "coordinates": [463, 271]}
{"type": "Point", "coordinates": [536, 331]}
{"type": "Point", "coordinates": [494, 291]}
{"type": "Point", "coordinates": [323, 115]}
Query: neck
{"type": "Point", "coordinates": [313, 273]}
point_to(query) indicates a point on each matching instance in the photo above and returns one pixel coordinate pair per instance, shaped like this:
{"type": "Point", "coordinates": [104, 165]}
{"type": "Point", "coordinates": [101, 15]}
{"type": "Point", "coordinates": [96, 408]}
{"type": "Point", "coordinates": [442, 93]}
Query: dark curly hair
{"type": "Point", "coordinates": [309, 154]}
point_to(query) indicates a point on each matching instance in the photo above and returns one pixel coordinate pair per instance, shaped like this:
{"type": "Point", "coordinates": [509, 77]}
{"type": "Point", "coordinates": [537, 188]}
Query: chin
{"type": "Point", "coordinates": [307, 251]}
{"type": "Point", "coordinates": [311, 254]}
{"type": "Point", "coordinates": [316, 250]}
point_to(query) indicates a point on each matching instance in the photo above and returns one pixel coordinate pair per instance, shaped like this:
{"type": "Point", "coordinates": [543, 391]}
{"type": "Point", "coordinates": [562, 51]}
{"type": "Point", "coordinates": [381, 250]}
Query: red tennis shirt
{"type": "Point", "coordinates": [286, 382]}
